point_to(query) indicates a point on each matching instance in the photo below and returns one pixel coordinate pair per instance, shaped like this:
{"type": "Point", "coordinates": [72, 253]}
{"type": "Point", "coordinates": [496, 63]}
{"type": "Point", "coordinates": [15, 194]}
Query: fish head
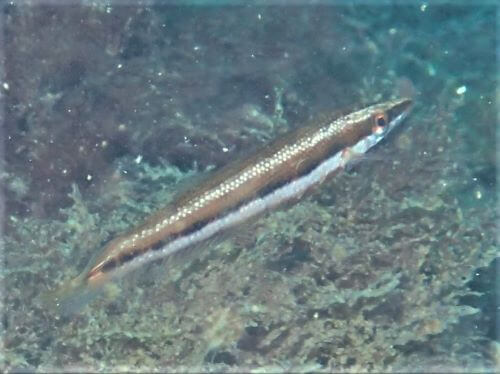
{"type": "Point", "coordinates": [372, 124]}
{"type": "Point", "coordinates": [388, 115]}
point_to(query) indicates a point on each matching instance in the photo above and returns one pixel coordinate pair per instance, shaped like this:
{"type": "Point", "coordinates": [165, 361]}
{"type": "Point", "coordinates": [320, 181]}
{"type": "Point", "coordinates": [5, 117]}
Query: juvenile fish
{"type": "Point", "coordinates": [279, 172]}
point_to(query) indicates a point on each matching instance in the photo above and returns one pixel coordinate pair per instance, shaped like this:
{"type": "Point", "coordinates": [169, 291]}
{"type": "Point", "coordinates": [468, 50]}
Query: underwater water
{"type": "Point", "coordinates": [108, 111]}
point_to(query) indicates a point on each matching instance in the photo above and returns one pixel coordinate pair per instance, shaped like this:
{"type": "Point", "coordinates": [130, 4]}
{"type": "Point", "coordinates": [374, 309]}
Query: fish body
{"type": "Point", "coordinates": [279, 172]}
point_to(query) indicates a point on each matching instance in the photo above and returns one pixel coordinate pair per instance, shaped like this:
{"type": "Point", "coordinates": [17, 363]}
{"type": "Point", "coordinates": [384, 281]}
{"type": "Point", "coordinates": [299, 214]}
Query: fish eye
{"type": "Point", "coordinates": [380, 120]}
{"type": "Point", "coordinates": [379, 123]}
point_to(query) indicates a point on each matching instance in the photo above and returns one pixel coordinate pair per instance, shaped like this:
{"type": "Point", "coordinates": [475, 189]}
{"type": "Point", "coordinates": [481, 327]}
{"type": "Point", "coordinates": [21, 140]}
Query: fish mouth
{"type": "Point", "coordinates": [398, 110]}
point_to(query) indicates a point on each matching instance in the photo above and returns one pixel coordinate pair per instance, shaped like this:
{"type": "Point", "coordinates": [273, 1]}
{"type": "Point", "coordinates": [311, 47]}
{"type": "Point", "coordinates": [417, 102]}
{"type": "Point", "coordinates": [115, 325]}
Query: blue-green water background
{"type": "Point", "coordinates": [108, 111]}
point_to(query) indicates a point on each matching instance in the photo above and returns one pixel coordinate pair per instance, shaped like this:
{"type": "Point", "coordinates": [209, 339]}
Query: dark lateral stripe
{"type": "Point", "coordinates": [267, 190]}
{"type": "Point", "coordinates": [126, 257]}
{"type": "Point", "coordinates": [158, 245]}
{"type": "Point", "coordinates": [109, 265]}
{"type": "Point", "coordinates": [197, 226]}
{"type": "Point", "coordinates": [294, 163]}
{"type": "Point", "coordinates": [194, 227]}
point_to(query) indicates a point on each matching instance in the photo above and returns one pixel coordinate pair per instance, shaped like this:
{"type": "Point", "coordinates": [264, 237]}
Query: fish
{"type": "Point", "coordinates": [279, 172]}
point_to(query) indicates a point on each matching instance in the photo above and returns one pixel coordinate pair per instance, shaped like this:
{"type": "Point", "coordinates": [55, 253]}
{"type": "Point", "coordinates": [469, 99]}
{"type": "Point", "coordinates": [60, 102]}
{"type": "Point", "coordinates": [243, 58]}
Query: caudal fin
{"type": "Point", "coordinates": [71, 297]}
